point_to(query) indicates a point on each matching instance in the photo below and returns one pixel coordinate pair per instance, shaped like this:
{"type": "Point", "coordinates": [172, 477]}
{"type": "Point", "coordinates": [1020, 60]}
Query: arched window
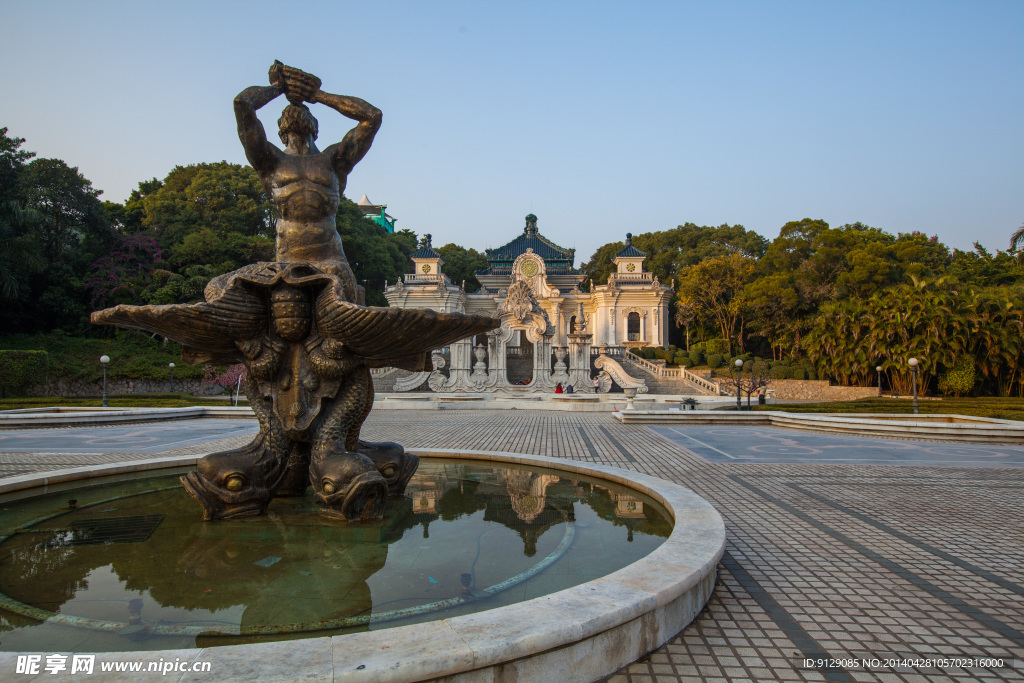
{"type": "Point", "coordinates": [633, 326]}
{"type": "Point", "coordinates": [572, 325]}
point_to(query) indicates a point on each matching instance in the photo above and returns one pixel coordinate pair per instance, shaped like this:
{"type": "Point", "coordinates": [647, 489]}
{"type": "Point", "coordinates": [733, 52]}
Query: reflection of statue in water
{"type": "Point", "coordinates": [300, 327]}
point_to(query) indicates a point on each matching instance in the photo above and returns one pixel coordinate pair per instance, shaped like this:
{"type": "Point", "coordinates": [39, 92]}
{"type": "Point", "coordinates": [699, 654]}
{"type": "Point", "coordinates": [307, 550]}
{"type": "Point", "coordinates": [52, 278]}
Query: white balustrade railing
{"type": "Point", "coordinates": [432, 279]}
{"type": "Point", "coordinates": [632, 277]}
{"type": "Point", "coordinates": [677, 373]}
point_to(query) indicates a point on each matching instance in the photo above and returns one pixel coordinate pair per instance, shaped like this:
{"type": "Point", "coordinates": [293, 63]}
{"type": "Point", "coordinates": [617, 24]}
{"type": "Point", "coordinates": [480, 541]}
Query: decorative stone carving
{"type": "Point", "coordinates": [480, 368]}
{"type": "Point", "coordinates": [410, 382]}
{"type": "Point", "coordinates": [611, 367]}
{"type": "Point", "coordinates": [519, 301]}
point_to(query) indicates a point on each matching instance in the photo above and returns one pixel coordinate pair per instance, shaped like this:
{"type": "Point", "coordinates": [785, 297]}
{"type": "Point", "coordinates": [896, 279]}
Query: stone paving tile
{"type": "Point", "coordinates": [840, 562]}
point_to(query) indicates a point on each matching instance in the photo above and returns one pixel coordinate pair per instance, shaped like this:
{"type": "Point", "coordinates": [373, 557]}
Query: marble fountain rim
{"type": "Point", "coordinates": [585, 632]}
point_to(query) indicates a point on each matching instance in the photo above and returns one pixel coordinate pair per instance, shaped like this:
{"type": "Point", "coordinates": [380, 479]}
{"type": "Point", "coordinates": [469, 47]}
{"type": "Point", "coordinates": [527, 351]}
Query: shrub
{"type": "Point", "coordinates": [20, 370]}
{"type": "Point", "coordinates": [798, 373]}
{"type": "Point", "coordinates": [812, 373]}
{"type": "Point", "coordinates": [780, 372]}
{"type": "Point", "coordinates": [715, 360]}
{"type": "Point", "coordinates": [681, 359]}
{"type": "Point", "coordinates": [720, 346]}
{"type": "Point", "coordinates": [696, 357]}
{"type": "Point", "coordinates": [959, 379]}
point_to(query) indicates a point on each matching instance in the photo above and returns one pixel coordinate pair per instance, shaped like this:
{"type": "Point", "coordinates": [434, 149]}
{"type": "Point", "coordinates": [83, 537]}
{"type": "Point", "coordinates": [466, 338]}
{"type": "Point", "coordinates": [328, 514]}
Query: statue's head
{"type": "Point", "coordinates": [297, 119]}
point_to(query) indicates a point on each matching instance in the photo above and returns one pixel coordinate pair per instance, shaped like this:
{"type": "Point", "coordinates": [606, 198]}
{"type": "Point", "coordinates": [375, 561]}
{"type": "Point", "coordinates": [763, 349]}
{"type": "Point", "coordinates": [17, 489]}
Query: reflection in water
{"type": "Point", "coordinates": [294, 571]}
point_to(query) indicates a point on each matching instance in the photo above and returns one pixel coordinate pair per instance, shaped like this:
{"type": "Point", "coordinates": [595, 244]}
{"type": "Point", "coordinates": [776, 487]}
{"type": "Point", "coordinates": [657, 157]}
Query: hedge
{"type": "Point", "coordinates": [20, 370]}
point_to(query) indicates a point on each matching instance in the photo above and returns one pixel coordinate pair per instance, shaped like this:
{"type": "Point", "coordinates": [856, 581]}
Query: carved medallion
{"type": "Point", "coordinates": [520, 301]}
{"type": "Point", "coordinates": [631, 267]}
{"type": "Point", "coordinates": [528, 269]}
{"type": "Point", "coordinates": [426, 267]}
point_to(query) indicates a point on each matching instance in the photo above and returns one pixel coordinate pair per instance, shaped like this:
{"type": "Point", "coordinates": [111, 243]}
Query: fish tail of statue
{"type": "Point", "coordinates": [390, 458]}
{"type": "Point", "coordinates": [242, 481]}
{"type": "Point", "coordinates": [346, 484]}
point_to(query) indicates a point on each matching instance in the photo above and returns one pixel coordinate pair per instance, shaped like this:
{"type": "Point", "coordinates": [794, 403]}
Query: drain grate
{"type": "Point", "coordinates": [108, 530]}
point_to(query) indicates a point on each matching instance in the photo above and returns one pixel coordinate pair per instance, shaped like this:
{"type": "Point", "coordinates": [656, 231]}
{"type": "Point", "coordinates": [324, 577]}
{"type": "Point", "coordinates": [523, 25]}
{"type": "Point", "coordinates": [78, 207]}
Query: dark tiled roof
{"type": "Point", "coordinates": [629, 250]}
{"type": "Point", "coordinates": [426, 251]}
{"type": "Point", "coordinates": [557, 260]}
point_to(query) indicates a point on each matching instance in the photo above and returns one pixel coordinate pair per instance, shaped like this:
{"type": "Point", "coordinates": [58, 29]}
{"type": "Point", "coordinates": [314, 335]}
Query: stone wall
{"type": "Point", "coordinates": [128, 386]}
{"type": "Point", "coordinates": [818, 390]}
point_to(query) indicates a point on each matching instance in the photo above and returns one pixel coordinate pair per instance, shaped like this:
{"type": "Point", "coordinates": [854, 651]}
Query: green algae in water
{"type": "Point", "coordinates": [132, 566]}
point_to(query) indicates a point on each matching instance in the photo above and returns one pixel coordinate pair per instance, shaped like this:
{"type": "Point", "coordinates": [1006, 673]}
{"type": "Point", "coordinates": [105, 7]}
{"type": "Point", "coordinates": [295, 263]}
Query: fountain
{"type": "Point", "coordinates": [232, 583]}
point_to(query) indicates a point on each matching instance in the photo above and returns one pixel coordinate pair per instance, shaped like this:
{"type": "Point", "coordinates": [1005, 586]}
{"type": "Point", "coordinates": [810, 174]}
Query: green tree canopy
{"type": "Point", "coordinates": [461, 264]}
{"type": "Point", "coordinates": [670, 251]}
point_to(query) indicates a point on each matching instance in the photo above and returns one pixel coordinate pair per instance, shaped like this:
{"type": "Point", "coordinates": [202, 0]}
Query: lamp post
{"type": "Point", "coordinates": [739, 376]}
{"type": "Point", "coordinates": [103, 361]}
{"type": "Point", "coordinates": [171, 366]}
{"type": "Point", "coordinates": [878, 369]}
{"type": "Point", "coordinates": [913, 371]}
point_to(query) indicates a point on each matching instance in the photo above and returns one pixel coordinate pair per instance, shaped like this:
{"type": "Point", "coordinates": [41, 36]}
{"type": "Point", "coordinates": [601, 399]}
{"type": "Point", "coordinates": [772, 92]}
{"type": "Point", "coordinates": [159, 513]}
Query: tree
{"type": "Point", "coordinates": [20, 253]}
{"type": "Point", "coordinates": [775, 308]}
{"type": "Point", "coordinates": [687, 310]}
{"type": "Point", "coordinates": [376, 257]}
{"type": "Point", "coordinates": [221, 198]}
{"type": "Point", "coordinates": [1017, 241]}
{"type": "Point", "coordinates": [461, 264]}
{"type": "Point", "coordinates": [670, 251]}
{"type": "Point", "coordinates": [121, 276]}
{"type": "Point", "coordinates": [12, 162]}
{"type": "Point", "coordinates": [71, 230]}
{"type": "Point", "coordinates": [716, 284]}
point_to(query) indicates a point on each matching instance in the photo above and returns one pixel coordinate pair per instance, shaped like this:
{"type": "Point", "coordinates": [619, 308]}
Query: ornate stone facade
{"type": "Point", "coordinates": [548, 323]}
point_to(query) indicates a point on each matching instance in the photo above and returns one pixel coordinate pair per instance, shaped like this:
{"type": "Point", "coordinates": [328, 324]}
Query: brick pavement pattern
{"type": "Point", "coordinates": [822, 562]}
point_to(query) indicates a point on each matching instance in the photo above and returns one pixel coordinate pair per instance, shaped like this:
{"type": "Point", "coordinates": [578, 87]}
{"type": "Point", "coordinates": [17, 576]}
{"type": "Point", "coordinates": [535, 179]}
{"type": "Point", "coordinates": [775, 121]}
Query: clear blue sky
{"type": "Point", "coordinates": [600, 117]}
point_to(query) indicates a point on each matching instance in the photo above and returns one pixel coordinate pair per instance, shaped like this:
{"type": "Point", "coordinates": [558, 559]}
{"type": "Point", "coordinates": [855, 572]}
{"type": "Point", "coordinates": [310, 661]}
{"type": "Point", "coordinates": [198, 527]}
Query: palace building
{"type": "Point", "coordinates": [556, 328]}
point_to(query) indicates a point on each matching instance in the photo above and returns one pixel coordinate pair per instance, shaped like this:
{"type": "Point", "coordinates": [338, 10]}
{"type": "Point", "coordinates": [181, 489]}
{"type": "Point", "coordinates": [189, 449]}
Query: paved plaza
{"type": "Point", "coordinates": [847, 558]}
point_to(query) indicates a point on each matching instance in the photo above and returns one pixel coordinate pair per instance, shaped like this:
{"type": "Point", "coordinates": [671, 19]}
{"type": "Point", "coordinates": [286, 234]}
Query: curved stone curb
{"type": "Point", "coordinates": [579, 634]}
{"type": "Point", "coordinates": [932, 427]}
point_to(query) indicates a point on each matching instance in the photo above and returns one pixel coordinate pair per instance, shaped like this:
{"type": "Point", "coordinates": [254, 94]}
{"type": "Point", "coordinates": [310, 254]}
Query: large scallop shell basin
{"type": "Point", "coordinates": [127, 563]}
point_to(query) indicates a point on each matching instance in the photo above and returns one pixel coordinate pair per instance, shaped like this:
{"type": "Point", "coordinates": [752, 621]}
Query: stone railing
{"type": "Point", "coordinates": [613, 351]}
{"type": "Point", "coordinates": [632, 278]}
{"type": "Point", "coordinates": [432, 279]}
{"type": "Point", "coordinates": [713, 388]}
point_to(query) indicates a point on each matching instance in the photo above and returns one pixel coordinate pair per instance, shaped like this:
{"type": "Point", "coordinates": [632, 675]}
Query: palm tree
{"type": "Point", "coordinates": [1017, 241]}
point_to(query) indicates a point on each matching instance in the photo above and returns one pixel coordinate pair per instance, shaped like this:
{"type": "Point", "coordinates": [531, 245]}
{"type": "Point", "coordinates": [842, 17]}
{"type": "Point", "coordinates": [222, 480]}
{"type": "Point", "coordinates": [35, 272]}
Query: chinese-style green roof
{"type": "Point", "coordinates": [426, 251]}
{"type": "Point", "coordinates": [629, 251]}
{"type": "Point", "coordinates": [557, 260]}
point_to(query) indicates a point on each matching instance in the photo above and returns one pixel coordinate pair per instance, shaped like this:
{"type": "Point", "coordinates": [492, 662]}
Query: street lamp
{"type": "Point", "coordinates": [739, 376]}
{"type": "Point", "coordinates": [913, 371]}
{"type": "Point", "coordinates": [878, 369]}
{"type": "Point", "coordinates": [171, 366]}
{"type": "Point", "coordinates": [103, 361]}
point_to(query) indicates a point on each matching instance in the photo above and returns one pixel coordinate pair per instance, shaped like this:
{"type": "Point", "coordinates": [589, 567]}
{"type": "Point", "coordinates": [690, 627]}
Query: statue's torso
{"type": "Point", "coordinates": [306, 192]}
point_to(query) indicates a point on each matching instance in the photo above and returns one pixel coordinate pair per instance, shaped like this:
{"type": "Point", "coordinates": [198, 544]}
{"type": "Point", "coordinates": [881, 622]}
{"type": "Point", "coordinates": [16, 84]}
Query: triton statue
{"type": "Point", "coordinates": [301, 328]}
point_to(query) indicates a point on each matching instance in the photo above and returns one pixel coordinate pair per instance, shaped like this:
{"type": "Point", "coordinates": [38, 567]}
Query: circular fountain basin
{"type": "Point", "coordinates": [531, 563]}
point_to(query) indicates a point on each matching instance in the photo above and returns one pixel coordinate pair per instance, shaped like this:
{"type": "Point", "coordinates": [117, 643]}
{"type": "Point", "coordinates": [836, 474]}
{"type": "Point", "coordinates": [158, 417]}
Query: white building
{"type": "Point", "coordinates": [549, 324]}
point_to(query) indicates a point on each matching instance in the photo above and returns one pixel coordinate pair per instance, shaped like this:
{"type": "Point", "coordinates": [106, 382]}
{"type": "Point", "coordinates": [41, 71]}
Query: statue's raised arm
{"type": "Point", "coordinates": [260, 152]}
{"type": "Point", "coordinates": [347, 153]}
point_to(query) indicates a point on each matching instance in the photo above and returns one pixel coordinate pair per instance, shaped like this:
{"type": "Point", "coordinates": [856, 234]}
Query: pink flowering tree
{"type": "Point", "coordinates": [120, 277]}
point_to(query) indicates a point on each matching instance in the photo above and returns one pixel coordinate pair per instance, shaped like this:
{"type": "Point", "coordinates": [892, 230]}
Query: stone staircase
{"type": "Point", "coordinates": [669, 380]}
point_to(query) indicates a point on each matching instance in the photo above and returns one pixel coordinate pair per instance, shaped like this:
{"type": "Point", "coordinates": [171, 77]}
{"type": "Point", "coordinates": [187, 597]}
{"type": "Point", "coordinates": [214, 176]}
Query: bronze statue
{"type": "Point", "coordinates": [301, 328]}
